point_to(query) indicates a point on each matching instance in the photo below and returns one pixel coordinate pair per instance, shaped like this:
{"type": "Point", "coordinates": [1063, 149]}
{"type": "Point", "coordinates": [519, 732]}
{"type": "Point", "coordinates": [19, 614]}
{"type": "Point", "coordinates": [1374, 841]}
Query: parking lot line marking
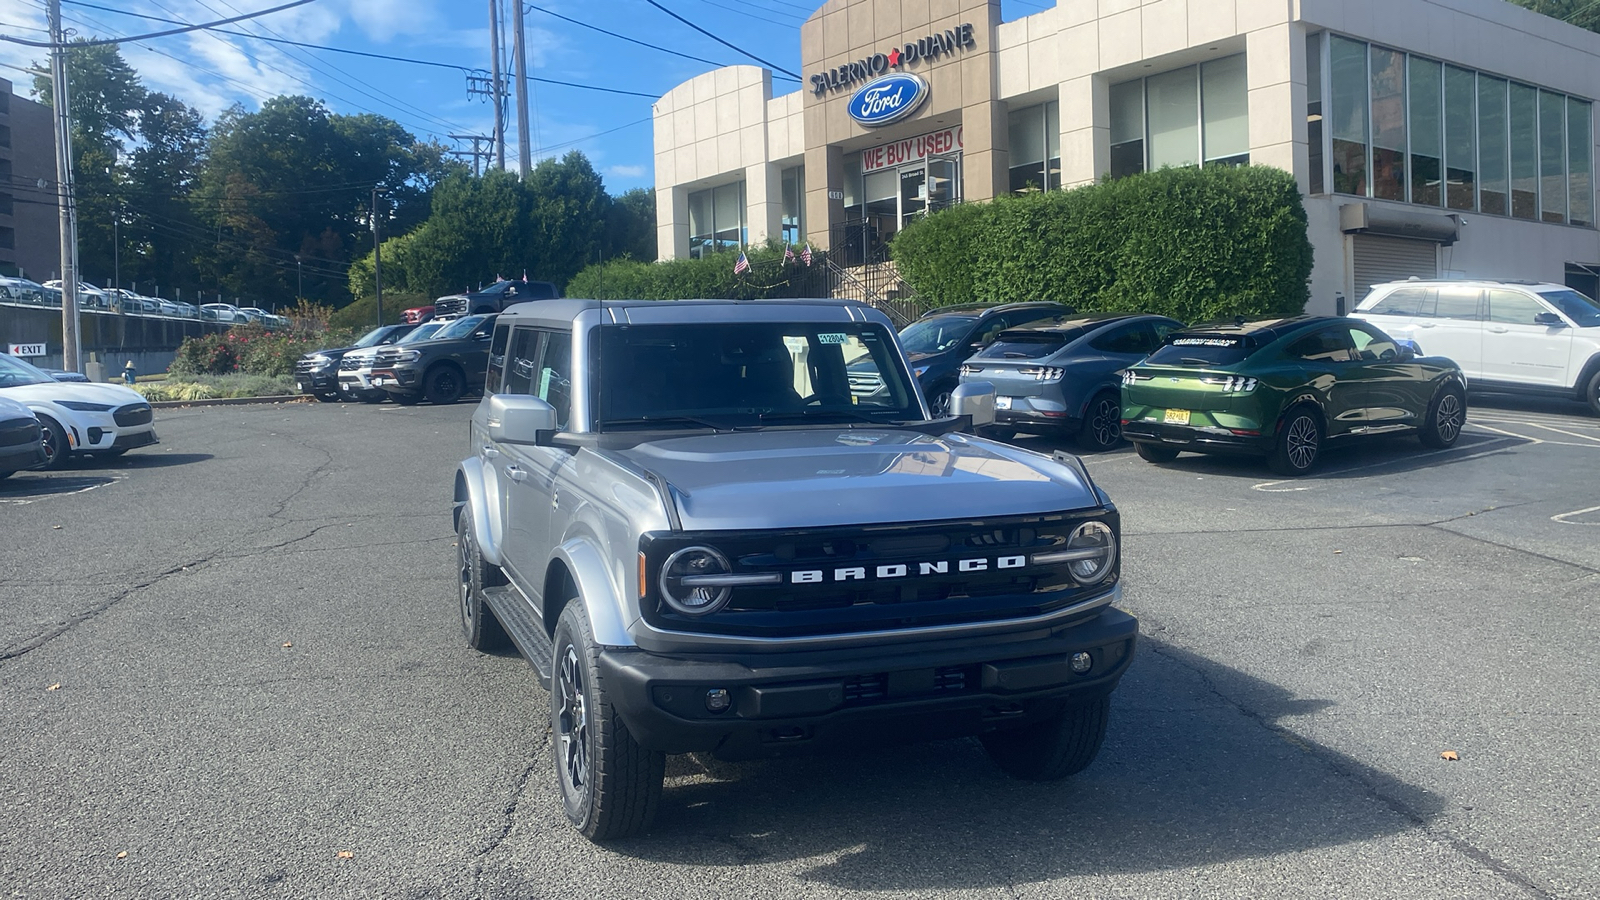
{"type": "Point", "coordinates": [1584, 437]}
{"type": "Point", "coordinates": [1509, 434]}
{"type": "Point", "coordinates": [1270, 487]}
{"type": "Point", "coordinates": [24, 501]}
{"type": "Point", "coordinates": [1563, 517]}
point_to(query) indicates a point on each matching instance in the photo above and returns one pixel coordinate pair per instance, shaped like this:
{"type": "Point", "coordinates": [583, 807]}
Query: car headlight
{"type": "Point", "coordinates": [698, 581]}
{"type": "Point", "coordinates": [408, 356]}
{"type": "Point", "coordinates": [320, 361]}
{"type": "Point", "coordinates": [80, 406]}
{"type": "Point", "coordinates": [1090, 554]}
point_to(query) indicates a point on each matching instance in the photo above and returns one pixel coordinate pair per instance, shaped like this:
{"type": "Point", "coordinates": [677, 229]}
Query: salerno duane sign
{"type": "Point", "coordinates": [863, 70]}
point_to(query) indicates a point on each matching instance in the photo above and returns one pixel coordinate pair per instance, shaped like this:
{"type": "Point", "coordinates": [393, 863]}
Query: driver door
{"type": "Point", "coordinates": [539, 365]}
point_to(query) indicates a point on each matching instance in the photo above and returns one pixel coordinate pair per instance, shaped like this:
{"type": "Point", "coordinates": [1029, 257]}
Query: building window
{"type": "Point", "coordinates": [716, 219]}
{"type": "Point", "coordinates": [794, 205]}
{"type": "Point", "coordinates": [1314, 111]}
{"type": "Point", "coordinates": [1189, 116]}
{"type": "Point", "coordinates": [1348, 74]}
{"type": "Point", "coordinates": [1445, 136]}
{"type": "Point", "coordinates": [1035, 134]}
{"type": "Point", "coordinates": [1494, 172]}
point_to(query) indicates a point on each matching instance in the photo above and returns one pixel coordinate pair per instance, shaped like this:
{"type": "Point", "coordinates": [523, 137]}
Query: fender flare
{"type": "Point", "coordinates": [586, 566]}
{"type": "Point", "coordinates": [470, 492]}
{"type": "Point", "coordinates": [1304, 398]}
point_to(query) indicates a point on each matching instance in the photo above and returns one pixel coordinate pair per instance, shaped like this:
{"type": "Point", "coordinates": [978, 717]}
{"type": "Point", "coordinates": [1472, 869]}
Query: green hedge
{"type": "Point", "coordinates": [252, 350]}
{"type": "Point", "coordinates": [1194, 244]}
{"type": "Point", "coordinates": [710, 278]}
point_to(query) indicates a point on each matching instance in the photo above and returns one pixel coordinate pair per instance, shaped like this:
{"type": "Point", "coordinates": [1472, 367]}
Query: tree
{"type": "Point", "coordinates": [631, 227]}
{"type": "Point", "coordinates": [159, 227]}
{"type": "Point", "coordinates": [1582, 13]}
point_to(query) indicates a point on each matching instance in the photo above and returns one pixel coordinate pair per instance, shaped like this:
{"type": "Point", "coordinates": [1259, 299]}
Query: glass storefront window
{"type": "Point", "coordinates": [716, 219]}
{"type": "Point", "coordinates": [1348, 90]}
{"type": "Point", "coordinates": [1225, 112]}
{"type": "Point", "coordinates": [1127, 128]}
{"type": "Point", "coordinates": [1552, 157]}
{"type": "Point", "coordinates": [1524, 152]}
{"type": "Point", "coordinates": [1388, 124]}
{"type": "Point", "coordinates": [1172, 105]}
{"type": "Point", "coordinates": [1427, 132]}
{"type": "Point", "coordinates": [700, 230]}
{"type": "Point", "coordinates": [1580, 161]}
{"type": "Point", "coordinates": [794, 204]}
{"type": "Point", "coordinates": [1035, 134]}
{"type": "Point", "coordinates": [1494, 173]}
{"type": "Point", "coordinates": [1314, 111]}
{"type": "Point", "coordinates": [1460, 141]}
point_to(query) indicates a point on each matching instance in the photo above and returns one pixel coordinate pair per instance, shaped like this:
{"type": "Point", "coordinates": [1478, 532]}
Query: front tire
{"type": "Point", "coordinates": [329, 397]}
{"type": "Point", "coordinates": [1299, 443]}
{"type": "Point", "coordinates": [1441, 427]}
{"type": "Point", "coordinates": [1592, 395]}
{"type": "Point", "coordinates": [444, 386]}
{"type": "Point", "coordinates": [483, 631]}
{"type": "Point", "coordinates": [610, 786]}
{"type": "Point", "coordinates": [1054, 749]}
{"type": "Point", "coordinates": [54, 439]}
{"type": "Point", "coordinates": [939, 401]}
{"type": "Point", "coordinates": [1102, 423]}
{"type": "Point", "coordinates": [406, 399]}
{"type": "Point", "coordinates": [1155, 453]}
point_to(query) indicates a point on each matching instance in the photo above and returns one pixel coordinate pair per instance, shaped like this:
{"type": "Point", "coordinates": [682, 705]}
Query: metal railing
{"type": "Point", "coordinates": [877, 285]}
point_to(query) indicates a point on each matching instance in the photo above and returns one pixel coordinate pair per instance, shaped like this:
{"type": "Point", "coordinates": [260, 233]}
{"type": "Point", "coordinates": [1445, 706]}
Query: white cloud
{"type": "Point", "coordinates": [626, 171]}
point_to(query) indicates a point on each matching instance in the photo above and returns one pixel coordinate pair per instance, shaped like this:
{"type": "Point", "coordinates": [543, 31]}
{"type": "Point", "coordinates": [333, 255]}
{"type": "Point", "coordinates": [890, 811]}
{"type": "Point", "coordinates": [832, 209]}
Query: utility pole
{"type": "Point", "coordinates": [477, 154]}
{"type": "Point", "coordinates": [71, 355]}
{"type": "Point", "coordinates": [116, 249]}
{"type": "Point", "coordinates": [299, 279]}
{"type": "Point", "coordinates": [377, 256]}
{"type": "Point", "coordinates": [520, 51]}
{"type": "Point", "coordinates": [498, 85]}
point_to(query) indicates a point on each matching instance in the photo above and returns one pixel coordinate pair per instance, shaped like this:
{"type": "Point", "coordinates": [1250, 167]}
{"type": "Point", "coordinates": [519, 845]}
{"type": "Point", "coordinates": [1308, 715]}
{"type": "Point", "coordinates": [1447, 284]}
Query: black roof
{"type": "Point", "coordinates": [1264, 331]}
{"type": "Point", "coordinates": [984, 309]}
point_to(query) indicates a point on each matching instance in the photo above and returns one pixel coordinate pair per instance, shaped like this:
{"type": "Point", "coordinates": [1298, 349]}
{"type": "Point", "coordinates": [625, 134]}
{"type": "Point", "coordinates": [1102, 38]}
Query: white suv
{"type": "Point", "coordinates": [1516, 336]}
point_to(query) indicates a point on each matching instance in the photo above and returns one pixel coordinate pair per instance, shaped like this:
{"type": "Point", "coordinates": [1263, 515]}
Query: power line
{"type": "Point", "coordinates": [156, 34]}
{"type": "Point", "coordinates": [750, 15]}
{"type": "Point", "coordinates": [623, 37]}
{"type": "Point", "coordinates": [742, 52]}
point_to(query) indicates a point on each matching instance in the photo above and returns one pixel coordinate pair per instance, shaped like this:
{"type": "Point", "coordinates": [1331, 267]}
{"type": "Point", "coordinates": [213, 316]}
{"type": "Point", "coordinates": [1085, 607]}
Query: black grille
{"type": "Point", "coordinates": [866, 688]}
{"type": "Point", "coordinates": [843, 580]}
{"type": "Point", "coordinates": [132, 414]}
{"type": "Point", "coordinates": [452, 306]}
{"type": "Point", "coordinates": [385, 359]}
{"type": "Point", "coordinates": [351, 363]}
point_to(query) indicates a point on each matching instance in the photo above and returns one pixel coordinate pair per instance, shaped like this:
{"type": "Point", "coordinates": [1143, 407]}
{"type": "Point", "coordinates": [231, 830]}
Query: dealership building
{"type": "Point", "coordinates": [1435, 138]}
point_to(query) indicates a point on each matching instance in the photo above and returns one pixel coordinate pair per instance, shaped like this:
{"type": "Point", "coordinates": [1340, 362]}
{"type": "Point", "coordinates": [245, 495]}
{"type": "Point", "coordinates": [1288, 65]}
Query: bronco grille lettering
{"type": "Point", "coordinates": [903, 570]}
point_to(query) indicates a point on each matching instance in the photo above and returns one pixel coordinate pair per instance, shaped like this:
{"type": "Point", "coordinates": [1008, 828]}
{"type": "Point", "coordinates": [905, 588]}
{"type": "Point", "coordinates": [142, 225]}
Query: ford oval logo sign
{"type": "Point", "coordinates": [888, 99]}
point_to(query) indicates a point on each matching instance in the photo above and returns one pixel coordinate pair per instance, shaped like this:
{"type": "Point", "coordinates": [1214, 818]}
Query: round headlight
{"type": "Point", "coordinates": [689, 581]}
{"type": "Point", "coordinates": [1097, 536]}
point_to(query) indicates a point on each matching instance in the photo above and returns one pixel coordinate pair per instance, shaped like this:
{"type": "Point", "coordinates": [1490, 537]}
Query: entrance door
{"type": "Point", "coordinates": [913, 193]}
{"type": "Point", "coordinates": [944, 181]}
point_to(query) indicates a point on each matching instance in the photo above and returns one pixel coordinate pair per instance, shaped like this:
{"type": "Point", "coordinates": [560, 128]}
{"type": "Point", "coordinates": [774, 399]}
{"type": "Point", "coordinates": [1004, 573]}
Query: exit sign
{"type": "Point", "coordinates": [26, 350]}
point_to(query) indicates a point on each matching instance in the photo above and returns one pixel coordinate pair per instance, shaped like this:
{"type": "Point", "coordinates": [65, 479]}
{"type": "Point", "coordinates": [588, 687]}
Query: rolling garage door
{"type": "Point", "coordinates": [1380, 259]}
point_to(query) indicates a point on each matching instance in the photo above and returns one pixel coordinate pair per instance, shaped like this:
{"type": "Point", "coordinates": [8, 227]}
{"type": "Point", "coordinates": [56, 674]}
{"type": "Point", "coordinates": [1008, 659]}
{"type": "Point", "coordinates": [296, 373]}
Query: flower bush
{"type": "Point", "coordinates": [252, 350]}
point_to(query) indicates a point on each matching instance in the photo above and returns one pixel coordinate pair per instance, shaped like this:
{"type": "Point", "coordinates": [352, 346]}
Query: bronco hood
{"type": "Point", "coordinates": [824, 477]}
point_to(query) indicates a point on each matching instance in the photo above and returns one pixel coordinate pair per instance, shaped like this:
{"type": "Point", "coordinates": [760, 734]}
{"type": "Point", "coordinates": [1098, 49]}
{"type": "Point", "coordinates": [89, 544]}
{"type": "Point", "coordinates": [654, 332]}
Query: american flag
{"type": "Point", "coordinates": [788, 255]}
{"type": "Point", "coordinates": [743, 265]}
{"type": "Point", "coordinates": [805, 255]}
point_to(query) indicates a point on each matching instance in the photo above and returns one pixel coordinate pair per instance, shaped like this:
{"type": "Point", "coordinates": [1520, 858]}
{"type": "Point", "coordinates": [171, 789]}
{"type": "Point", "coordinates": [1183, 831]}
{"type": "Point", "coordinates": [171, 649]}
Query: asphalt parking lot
{"type": "Point", "coordinates": [232, 658]}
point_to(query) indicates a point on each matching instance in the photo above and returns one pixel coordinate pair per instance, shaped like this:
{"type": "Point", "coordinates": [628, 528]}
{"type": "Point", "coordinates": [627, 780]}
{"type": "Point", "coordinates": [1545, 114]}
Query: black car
{"type": "Point", "coordinates": [1064, 374]}
{"type": "Point", "coordinates": [939, 342]}
{"type": "Point", "coordinates": [494, 298]}
{"type": "Point", "coordinates": [441, 369]}
{"type": "Point", "coordinates": [317, 373]}
{"type": "Point", "coordinates": [21, 441]}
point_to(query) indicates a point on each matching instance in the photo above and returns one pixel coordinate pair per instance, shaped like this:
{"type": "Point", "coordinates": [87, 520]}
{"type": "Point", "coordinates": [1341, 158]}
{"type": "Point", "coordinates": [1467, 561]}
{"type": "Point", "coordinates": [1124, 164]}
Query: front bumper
{"type": "Point", "coordinates": [400, 379]}
{"type": "Point", "coordinates": [357, 384]}
{"type": "Point", "coordinates": [798, 703]}
{"type": "Point", "coordinates": [320, 381]}
{"type": "Point", "coordinates": [25, 455]}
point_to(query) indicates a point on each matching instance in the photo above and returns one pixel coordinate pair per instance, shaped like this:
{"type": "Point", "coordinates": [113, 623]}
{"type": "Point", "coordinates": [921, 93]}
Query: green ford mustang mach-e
{"type": "Point", "coordinates": [1284, 388]}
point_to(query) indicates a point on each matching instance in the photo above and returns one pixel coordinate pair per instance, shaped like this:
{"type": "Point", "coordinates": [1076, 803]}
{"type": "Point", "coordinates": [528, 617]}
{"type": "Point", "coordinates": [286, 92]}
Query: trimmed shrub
{"type": "Point", "coordinates": [252, 350]}
{"type": "Point", "coordinates": [708, 278]}
{"type": "Point", "coordinates": [1194, 244]}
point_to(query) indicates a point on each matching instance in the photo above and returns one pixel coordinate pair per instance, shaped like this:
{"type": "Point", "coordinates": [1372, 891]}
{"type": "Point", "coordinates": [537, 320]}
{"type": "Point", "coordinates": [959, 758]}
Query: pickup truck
{"type": "Point", "coordinates": [707, 533]}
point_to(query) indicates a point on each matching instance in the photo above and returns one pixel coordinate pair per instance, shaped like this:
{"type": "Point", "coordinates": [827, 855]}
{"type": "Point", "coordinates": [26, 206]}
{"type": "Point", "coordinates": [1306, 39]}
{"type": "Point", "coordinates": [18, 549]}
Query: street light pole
{"type": "Point", "coordinates": [299, 279]}
{"type": "Point", "coordinates": [71, 357]}
{"type": "Point", "coordinates": [377, 256]}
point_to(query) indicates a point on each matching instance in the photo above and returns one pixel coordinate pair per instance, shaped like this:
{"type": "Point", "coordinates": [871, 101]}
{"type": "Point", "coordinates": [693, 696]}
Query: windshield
{"type": "Point", "coordinates": [459, 328]}
{"type": "Point", "coordinates": [1580, 309]}
{"type": "Point", "coordinates": [421, 333]}
{"type": "Point", "coordinates": [370, 338]}
{"type": "Point", "coordinates": [935, 335]}
{"type": "Point", "coordinates": [16, 373]}
{"type": "Point", "coordinates": [1030, 343]}
{"type": "Point", "coordinates": [1202, 350]}
{"type": "Point", "coordinates": [750, 373]}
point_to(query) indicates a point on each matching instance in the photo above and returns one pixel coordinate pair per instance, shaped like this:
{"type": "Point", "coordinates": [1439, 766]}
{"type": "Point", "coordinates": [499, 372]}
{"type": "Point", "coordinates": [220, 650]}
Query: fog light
{"type": "Point", "coordinates": [718, 700]}
{"type": "Point", "coordinates": [1081, 663]}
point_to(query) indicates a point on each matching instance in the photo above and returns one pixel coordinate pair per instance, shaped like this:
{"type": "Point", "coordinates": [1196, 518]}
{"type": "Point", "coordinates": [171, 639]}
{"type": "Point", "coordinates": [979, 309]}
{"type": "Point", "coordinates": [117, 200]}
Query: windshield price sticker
{"type": "Point", "coordinates": [1207, 342]}
{"type": "Point", "coordinates": [26, 349]}
{"type": "Point", "coordinates": [833, 338]}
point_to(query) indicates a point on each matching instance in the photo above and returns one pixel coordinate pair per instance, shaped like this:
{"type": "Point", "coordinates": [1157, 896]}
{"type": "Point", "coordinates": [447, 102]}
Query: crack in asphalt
{"type": "Point", "coordinates": [1394, 804]}
{"type": "Point", "coordinates": [17, 651]}
{"type": "Point", "coordinates": [509, 813]}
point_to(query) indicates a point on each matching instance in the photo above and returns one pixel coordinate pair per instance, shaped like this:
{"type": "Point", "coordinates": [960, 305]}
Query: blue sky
{"type": "Point", "coordinates": [211, 71]}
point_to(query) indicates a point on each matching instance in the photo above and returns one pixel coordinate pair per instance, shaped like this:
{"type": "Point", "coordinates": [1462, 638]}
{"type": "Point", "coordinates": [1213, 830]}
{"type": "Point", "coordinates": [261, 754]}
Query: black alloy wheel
{"type": "Point", "coordinates": [1102, 423]}
{"type": "Point", "coordinates": [939, 402]}
{"type": "Point", "coordinates": [478, 623]}
{"type": "Point", "coordinates": [1441, 427]}
{"type": "Point", "coordinates": [444, 385]}
{"type": "Point", "coordinates": [54, 440]}
{"type": "Point", "coordinates": [1299, 442]}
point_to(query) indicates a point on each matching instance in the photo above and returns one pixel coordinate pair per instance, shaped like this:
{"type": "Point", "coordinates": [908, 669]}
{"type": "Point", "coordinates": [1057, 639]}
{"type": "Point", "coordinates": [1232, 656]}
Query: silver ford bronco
{"type": "Point", "coordinates": [733, 528]}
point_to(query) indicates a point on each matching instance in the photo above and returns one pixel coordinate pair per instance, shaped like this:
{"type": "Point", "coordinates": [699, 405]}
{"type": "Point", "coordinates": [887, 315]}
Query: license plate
{"type": "Point", "coordinates": [1177, 417]}
{"type": "Point", "coordinates": [1002, 403]}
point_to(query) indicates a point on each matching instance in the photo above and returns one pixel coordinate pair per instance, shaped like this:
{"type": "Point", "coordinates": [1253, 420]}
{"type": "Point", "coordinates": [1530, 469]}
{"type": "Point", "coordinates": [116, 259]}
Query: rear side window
{"type": "Point", "coordinates": [1136, 338]}
{"type": "Point", "coordinates": [1405, 302]}
{"type": "Point", "coordinates": [1459, 303]}
{"type": "Point", "coordinates": [1184, 349]}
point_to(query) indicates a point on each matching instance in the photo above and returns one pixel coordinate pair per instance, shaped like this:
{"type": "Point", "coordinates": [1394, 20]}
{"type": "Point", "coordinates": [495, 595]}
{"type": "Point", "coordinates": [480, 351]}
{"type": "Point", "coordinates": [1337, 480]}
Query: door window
{"type": "Point", "coordinates": [553, 384]}
{"type": "Point", "coordinates": [1326, 345]}
{"type": "Point", "coordinates": [1371, 347]}
{"type": "Point", "coordinates": [497, 359]}
{"type": "Point", "coordinates": [523, 361]}
{"type": "Point", "coordinates": [1459, 303]}
{"type": "Point", "coordinates": [1514, 308]}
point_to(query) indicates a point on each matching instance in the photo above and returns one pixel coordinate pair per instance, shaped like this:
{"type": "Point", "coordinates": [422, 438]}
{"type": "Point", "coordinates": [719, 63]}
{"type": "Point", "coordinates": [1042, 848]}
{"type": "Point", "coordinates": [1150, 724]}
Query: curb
{"type": "Point", "coordinates": [232, 401]}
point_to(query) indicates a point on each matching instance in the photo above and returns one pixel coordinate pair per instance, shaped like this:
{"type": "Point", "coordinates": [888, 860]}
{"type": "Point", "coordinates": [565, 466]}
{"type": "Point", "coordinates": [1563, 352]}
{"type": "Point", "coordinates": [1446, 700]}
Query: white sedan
{"type": "Point", "coordinates": [78, 418]}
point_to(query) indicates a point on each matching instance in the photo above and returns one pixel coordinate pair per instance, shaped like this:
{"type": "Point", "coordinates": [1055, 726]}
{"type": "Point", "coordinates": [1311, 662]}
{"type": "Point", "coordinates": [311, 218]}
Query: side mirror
{"type": "Point", "coordinates": [518, 418]}
{"type": "Point", "coordinates": [975, 399]}
{"type": "Point", "coordinates": [1550, 319]}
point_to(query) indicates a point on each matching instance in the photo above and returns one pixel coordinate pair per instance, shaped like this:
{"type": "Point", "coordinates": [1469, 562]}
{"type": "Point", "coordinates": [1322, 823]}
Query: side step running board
{"type": "Point", "coordinates": [522, 624]}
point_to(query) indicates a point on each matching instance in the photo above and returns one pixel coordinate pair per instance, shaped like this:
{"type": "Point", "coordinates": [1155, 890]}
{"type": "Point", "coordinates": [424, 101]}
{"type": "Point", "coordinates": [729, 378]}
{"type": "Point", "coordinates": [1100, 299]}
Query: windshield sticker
{"type": "Point", "coordinates": [833, 338]}
{"type": "Point", "coordinates": [1206, 342]}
